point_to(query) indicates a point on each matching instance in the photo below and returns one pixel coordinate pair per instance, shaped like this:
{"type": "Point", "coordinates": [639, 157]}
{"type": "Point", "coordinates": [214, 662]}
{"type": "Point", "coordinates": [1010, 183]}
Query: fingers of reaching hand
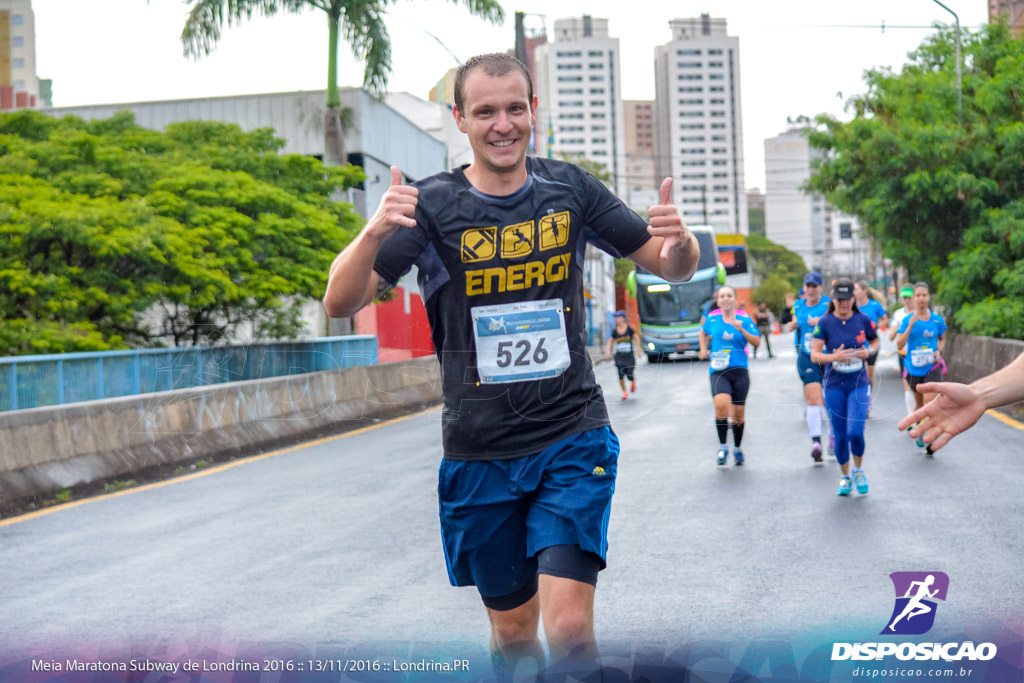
{"type": "Point", "coordinates": [665, 195]}
{"type": "Point", "coordinates": [399, 203]}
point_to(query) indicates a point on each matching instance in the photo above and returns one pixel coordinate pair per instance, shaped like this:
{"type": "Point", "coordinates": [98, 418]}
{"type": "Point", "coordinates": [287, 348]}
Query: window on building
{"type": "Point", "coordinates": [690, 88]}
{"type": "Point", "coordinates": [689, 65]}
{"type": "Point", "coordinates": [596, 78]}
{"type": "Point", "coordinates": [691, 101]}
{"type": "Point", "coordinates": [721, 188]}
{"type": "Point", "coordinates": [717, 114]}
{"type": "Point", "coordinates": [599, 141]}
{"type": "Point", "coordinates": [570, 116]}
{"type": "Point", "coordinates": [687, 53]}
{"type": "Point", "coordinates": [716, 77]}
{"type": "Point", "coordinates": [845, 231]}
{"type": "Point", "coordinates": [17, 19]}
{"type": "Point", "coordinates": [716, 88]}
{"type": "Point", "coordinates": [716, 100]}
{"type": "Point", "coordinates": [17, 41]}
{"type": "Point", "coordinates": [574, 103]}
{"type": "Point", "coordinates": [569, 66]}
{"type": "Point", "coordinates": [691, 113]}
{"type": "Point", "coordinates": [596, 53]}
{"type": "Point", "coordinates": [568, 54]}
{"type": "Point", "coordinates": [720, 175]}
{"type": "Point", "coordinates": [597, 91]}
{"type": "Point", "coordinates": [721, 212]}
{"type": "Point", "coordinates": [691, 138]}
{"type": "Point", "coordinates": [599, 153]}
{"type": "Point", "coordinates": [719, 150]}
{"type": "Point", "coordinates": [18, 63]}
{"type": "Point", "coordinates": [598, 115]}
{"type": "Point", "coordinates": [714, 52]}
{"type": "Point", "coordinates": [715, 65]}
{"type": "Point", "coordinates": [596, 65]}
{"type": "Point", "coordinates": [597, 103]}
{"type": "Point", "coordinates": [717, 138]}
{"type": "Point", "coordinates": [19, 85]}
{"type": "Point", "coordinates": [570, 79]}
{"type": "Point", "coordinates": [721, 200]}
{"type": "Point", "coordinates": [719, 162]}
{"type": "Point", "coordinates": [570, 91]}
{"type": "Point", "coordinates": [718, 125]}
{"type": "Point", "coordinates": [691, 77]}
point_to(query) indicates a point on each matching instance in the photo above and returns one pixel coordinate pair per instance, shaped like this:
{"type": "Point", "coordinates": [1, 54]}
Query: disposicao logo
{"type": "Point", "coordinates": [914, 614]}
{"type": "Point", "coordinates": [916, 593]}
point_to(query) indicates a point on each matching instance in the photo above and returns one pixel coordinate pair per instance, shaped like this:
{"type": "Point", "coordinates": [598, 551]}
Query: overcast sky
{"type": "Point", "coordinates": [796, 56]}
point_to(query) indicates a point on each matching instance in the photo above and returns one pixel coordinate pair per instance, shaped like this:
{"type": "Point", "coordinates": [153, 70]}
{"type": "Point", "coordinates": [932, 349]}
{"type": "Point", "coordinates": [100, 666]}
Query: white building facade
{"type": "Point", "coordinates": [580, 97]}
{"type": "Point", "coordinates": [18, 77]}
{"type": "Point", "coordinates": [829, 241]}
{"type": "Point", "coordinates": [699, 123]}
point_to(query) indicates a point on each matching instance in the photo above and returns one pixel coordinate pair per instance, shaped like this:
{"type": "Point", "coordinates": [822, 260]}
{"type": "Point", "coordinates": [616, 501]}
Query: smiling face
{"type": "Point", "coordinates": [922, 297]}
{"type": "Point", "coordinates": [844, 307]}
{"type": "Point", "coordinates": [497, 119]}
{"type": "Point", "coordinates": [812, 293]}
{"type": "Point", "coordinates": [727, 299]}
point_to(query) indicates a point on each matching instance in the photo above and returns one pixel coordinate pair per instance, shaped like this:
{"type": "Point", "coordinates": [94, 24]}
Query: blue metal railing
{"type": "Point", "coordinates": [56, 379]}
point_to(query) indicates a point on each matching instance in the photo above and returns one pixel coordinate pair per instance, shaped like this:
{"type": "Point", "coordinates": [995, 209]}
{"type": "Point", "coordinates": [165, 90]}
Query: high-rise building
{"type": "Point", "coordinates": [642, 181]}
{"type": "Point", "coordinates": [829, 241]}
{"type": "Point", "coordinates": [19, 85]}
{"type": "Point", "coordinates": [699, 123]}
{"type": "Point", "coordinates": [1012, 9]}
{"type": "Point", "coordinates": [578, 86]}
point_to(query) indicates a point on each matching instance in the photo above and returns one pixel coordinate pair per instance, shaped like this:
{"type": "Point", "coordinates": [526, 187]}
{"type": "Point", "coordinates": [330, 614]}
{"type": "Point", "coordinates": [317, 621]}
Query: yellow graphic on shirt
{"type": "Point", "coordinates": [554, 231]}
{"type": "Point", "coordinates": [517, 240]}
{"type": "Point", "coordinates": [479, 244]}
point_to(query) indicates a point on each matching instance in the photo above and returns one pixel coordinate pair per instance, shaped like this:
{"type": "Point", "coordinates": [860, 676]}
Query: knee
{"type": "Point", "coordinates": [569, 628]}
{"type": "Point", "coordinates": [514, 627]}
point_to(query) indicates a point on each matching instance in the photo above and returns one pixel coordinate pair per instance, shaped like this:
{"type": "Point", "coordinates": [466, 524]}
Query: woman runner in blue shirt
{"type": "Point", "coordinates": [923, 335]}
{"type": "Point", "coordinates": [842, 342]}
{"type": "Point", "coordinates": [724, 337]}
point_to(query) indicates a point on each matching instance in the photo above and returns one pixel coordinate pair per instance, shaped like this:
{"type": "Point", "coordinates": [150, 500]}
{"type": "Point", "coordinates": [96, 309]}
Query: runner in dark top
{"type": "Point", "coordinates": [529, 458]}
{"type": "Point", "coordinates": [625, 345]}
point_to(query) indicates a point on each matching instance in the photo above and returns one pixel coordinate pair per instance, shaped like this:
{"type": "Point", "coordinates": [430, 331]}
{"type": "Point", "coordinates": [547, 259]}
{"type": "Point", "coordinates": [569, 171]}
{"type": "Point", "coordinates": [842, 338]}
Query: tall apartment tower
{"type": "Point", "coordinates": [828, 241]}
{"type": "Point", "coordinates": [699, 123]}
{"type": "Point", "coordinates": [642, 181]}
{"type": "Point", "coordinates": [1014, 11]}
{"type": "Point", "coordinates": [578, 86]}
{"type": "Point", "coordinates": [19, 85]}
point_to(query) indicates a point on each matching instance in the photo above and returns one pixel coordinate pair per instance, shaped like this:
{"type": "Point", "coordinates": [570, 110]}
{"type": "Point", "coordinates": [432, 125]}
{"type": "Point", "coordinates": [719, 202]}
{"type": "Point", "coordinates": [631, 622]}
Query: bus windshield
{"type": "Point", "coordinates": [673, 304]}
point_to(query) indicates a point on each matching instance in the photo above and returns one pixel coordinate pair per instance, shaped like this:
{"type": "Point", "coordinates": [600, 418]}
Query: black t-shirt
{"type": "Point", "coordinates": [623, 344]}
{"type": "Point", "coordinates": [502, 253]}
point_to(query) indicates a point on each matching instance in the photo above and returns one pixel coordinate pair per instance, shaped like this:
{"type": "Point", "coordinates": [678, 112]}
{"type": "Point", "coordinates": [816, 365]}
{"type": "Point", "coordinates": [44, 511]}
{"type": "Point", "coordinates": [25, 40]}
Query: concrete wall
{"type": "Point", "coordinates": [970, 358]}
{"type": "Point", "coordinates": [44, 450]}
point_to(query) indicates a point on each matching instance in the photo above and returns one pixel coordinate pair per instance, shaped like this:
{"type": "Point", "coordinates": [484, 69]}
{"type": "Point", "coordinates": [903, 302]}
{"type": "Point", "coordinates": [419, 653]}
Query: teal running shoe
{"type": "Point", "coordinates": [737, 455]}
{"type": "Point", "coordinates": [920, 441]}
{"type": "Point", "coordinates": [861, 481]}
{"type": "Point", "coordinates": [723, 454]}
{"type": "Point", "coordinates": [845, 486]}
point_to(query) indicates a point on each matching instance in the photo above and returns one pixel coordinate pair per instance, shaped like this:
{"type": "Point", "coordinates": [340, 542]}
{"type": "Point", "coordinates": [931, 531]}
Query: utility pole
{"type": "Point", "coordinates": [959, 75]}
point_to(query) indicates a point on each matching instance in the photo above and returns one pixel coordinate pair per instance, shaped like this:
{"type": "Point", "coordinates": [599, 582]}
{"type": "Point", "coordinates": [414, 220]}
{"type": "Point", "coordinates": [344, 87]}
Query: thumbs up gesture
{"type": "Point", "coordinates": [397, 207]}
{"type": "Point", "coordinates": [667, 223]}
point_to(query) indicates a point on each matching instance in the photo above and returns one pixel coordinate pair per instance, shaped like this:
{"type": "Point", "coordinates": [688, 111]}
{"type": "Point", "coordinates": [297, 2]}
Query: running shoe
{"type": "Point", "coordinates": [816, 451]}
{"type": "Point", "coordinates": [928, 450]}
{"type": "Point", "coordinates": [624, 396]}
{"type": "Point", "coordinates": [861, 481]}
{"type": "Point", "coordinates": [723, 454]}
{"type": "Point", "coordinates": [737, 455]}
{"type": "Point", "coordinates": [632, 387]}
{"type": "Point", "coordinates": [845, 485]}
{"type": "Point", "coordinates": [920, 441]}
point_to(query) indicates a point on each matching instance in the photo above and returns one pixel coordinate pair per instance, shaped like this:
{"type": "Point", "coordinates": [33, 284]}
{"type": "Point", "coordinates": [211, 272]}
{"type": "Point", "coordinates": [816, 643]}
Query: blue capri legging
{"type": "Point", "coordinates": [848, 411]}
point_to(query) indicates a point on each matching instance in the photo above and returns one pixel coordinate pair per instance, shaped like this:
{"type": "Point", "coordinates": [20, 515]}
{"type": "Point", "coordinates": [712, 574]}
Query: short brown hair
{"type": "Point", "coordinates": [494, 65]}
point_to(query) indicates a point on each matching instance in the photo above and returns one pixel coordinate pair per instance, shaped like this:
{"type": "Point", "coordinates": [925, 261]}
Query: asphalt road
{"type": "Point", "coordinates": [338, 541]}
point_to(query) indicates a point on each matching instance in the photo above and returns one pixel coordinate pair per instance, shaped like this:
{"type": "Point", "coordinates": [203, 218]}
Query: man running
{"type": "Point", "coordinates": [915, 607]}
{"type": "Point", "coordinates": [870, 307]}
{"type": "Point", "coordinates": [626, 346]}
{"type": "Point", "coordinates": [764, 319]}
{"type": "Point", "coordinates": [806, 313]}
{"type": "Point", "coordinates": [906, 295]}
{"type": "Point", "coordinates": [529, 462]}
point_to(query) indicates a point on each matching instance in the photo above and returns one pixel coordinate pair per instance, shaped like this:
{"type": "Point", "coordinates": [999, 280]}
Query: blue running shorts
{"type": "Point", "coordinates": [810, 373]}
{"type": "Point", "coordinates": [496, 515]}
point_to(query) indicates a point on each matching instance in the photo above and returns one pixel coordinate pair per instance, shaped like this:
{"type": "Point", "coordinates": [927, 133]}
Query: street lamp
{"type": "Point", "coordinates": [959, 82]}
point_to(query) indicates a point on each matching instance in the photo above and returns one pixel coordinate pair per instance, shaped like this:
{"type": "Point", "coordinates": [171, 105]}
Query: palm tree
{"type": "Point", "coordinates": [361, 22]}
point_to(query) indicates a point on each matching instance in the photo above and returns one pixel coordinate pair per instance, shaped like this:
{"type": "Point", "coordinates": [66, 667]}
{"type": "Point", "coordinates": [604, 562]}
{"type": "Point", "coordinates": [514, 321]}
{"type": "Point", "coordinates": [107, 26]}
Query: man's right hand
{"type": "Point", "coordinates": [397, 208]}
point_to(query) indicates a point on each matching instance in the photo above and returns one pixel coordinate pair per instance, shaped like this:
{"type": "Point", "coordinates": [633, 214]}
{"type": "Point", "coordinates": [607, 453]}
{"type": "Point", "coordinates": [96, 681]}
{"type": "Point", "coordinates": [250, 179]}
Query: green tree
{"type": "Point", "coordinates": [773, 290]}
{"type": "Point", "coordinates": [594, 168]}
{"type": "Point", "coordinates": [755, 218]}
{"type": "Point", "coordinates": [774, 259]}
{"type": "Point", "coordinates": [941, 199]}
{"type": "Point", "coordinates": [115, 236]}
{"type": "Point", "coordinates": [360, 22]}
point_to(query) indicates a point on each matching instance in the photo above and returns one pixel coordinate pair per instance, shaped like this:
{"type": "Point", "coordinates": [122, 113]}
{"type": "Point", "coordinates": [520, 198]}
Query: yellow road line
{"type": "Point", "coordinates": [205, 472]}
{"type": "Point", "coordinates": [1005, 419]}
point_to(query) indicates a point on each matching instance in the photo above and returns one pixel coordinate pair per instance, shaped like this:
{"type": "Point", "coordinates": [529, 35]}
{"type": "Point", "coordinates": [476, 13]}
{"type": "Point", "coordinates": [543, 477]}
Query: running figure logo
{"type": "Point", "coordinates": [916, 592]}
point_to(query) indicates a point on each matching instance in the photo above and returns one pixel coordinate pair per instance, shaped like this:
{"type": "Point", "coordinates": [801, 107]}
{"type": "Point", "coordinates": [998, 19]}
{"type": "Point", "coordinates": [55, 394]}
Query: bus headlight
{"type": "Point", "coordinates": [650, 346]}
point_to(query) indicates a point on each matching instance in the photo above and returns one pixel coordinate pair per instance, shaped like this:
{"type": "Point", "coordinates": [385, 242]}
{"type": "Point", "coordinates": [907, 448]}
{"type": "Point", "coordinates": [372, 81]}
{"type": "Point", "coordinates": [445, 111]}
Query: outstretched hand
{"type": "Point", "coordinates": [956, 408]}
{"type": "Point", "coordinates": [397, 207]}
{"type": "Point", "coordinates": [665, 219]}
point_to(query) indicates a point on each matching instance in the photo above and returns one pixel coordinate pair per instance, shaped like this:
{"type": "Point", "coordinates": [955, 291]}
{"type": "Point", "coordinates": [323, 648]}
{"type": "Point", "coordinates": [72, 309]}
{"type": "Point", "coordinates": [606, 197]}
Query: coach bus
{"type": "Point", "coordinates": [669, 312]}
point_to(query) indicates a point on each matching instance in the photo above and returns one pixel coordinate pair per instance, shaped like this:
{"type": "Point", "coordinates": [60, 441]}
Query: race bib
{"type": "Point", "coordinates": [719, 360]}
{"type": "Point", "coordinates": [521, 341]}
{"type": "Point", "coordinates": [808, 339]}
{"type": "Point", "coordinates": [624, 347]}
{"type": "Point", "coordinates": [853, 365]}
{"type": "Point", "coordinates": [921, 358]}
